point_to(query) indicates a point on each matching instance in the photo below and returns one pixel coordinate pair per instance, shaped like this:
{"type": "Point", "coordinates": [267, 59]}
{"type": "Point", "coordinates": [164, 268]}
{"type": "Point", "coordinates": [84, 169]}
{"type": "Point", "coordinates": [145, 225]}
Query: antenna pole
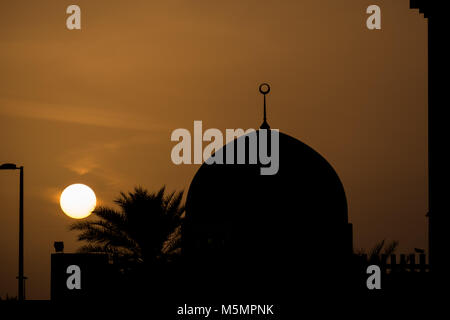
{"type": "Point", "coordinates": [264, 88]}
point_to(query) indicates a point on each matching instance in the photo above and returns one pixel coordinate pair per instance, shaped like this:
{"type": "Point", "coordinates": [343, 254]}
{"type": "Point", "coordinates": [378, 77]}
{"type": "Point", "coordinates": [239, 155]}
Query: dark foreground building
{"type": "Point", "coordinates": [76, 276]}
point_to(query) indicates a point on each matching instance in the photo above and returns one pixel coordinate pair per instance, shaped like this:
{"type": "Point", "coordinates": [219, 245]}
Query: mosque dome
{"type": "Point", "coordinates": [237, 202]}
{"type": "Point", "coordinates": [253, 223]}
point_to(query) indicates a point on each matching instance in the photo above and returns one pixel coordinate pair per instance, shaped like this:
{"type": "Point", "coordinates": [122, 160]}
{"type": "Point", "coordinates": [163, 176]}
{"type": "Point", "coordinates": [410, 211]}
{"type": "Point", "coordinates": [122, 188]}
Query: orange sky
{"type": "Point", "coordinates": [97, 106]}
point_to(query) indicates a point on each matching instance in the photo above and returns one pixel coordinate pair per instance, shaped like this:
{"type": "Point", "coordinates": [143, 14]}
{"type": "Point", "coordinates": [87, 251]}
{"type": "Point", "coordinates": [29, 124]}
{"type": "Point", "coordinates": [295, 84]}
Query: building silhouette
{"type": "Point", "coordinates": [436, 13]}
{"type": "Point", "coordinates": [257, 235]}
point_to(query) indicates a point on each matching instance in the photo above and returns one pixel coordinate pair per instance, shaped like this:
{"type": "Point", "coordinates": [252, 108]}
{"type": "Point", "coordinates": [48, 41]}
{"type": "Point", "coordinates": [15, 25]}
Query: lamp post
{"type": "Point", "coordinates": [21, 278]}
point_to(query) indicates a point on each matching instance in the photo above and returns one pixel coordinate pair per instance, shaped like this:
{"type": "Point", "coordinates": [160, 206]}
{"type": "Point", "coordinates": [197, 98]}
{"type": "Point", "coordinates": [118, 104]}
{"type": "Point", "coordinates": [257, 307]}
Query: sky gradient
{"type": "Point", "coordinates": [98, 106]}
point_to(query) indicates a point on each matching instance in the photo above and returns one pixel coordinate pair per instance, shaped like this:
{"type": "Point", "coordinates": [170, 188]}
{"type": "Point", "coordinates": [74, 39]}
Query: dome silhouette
{"type": "Point", "coordinates": [255, 235]}
{"type": "Point", "coordinates": [247, 225]}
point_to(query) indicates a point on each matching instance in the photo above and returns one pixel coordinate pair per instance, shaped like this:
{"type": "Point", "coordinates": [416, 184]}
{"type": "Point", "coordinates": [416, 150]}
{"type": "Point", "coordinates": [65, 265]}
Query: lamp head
{"type": "Point", "coordinates": [8, 166]}
{"type": "Point", "coordinates": [59, 246]}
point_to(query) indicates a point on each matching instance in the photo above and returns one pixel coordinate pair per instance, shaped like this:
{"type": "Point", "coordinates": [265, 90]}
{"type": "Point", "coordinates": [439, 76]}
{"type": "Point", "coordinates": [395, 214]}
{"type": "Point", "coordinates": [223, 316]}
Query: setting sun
{"type": "Point", "coordinates": [78, 201]}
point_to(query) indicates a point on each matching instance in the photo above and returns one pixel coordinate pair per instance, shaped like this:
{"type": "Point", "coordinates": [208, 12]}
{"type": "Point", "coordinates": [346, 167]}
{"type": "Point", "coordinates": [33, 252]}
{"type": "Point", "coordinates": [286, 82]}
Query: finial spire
{"type": "Point", "coordinates": [264, 88]}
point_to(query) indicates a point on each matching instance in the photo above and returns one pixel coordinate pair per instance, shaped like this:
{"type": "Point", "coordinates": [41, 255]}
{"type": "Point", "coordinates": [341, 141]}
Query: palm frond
{"type": "Point", "coordinates": [376, 250]}
{"type": "Point", "coordinates": [112, 216]}
{"type": "Point", "coordinates": [146, 227]}
{"type": "Point", "coordinates": [90, 248]}
{"type": "Point", "coordinates": [390, 249]}
{"type": "Point", "coordinates": [173, 241]}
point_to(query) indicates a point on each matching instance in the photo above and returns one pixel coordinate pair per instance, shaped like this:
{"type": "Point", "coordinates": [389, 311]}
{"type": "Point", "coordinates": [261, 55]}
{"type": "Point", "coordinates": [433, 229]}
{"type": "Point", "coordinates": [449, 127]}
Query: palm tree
{"type": "Point", "coordinates": [144, 231]}
{"type": "Point", "coordinates": [377, 251]}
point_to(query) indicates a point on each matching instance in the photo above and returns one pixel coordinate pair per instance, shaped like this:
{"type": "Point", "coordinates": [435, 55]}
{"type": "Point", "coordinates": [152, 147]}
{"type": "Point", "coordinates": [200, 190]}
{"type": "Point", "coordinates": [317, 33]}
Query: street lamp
{"type": "Point", "coordinates": [21, 285]}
